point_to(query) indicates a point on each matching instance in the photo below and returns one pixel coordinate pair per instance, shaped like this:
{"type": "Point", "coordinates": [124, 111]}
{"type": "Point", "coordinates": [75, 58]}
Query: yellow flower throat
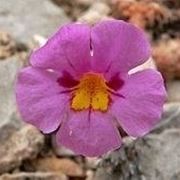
{"type": "Point", "coordinates": [91, 92]}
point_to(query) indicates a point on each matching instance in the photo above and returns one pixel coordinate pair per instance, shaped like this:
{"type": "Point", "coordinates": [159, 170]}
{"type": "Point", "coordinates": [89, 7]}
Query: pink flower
{"type": "Point", "coordinates": [79, 87]}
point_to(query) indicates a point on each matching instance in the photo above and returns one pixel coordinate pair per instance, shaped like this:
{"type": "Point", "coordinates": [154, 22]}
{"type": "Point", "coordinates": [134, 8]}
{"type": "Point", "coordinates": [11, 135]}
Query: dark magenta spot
{"type": "Point", "coordinates": [115, 82]}
{"type": "Point", "coordinates": [67, 81]}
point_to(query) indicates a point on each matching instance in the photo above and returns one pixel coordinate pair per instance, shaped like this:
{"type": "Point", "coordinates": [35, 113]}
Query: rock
{"type": "Point", "coordinates": [98, 11]}
{"type": "Point", "coordinates": [23, 144]}
{"type": "Point", "coordinates": [156, 156]}
{"type": "Point", "coordinates": [89, 175]}
{"type": "Point", "coordinates": [85, 2]}
{"type": "Point", "coordinates": [173, 90]}
{"type": "Point", "coordinates": [34, 176]}
{"type": "Point", "coordinates": [145, 14]}
{"type": "Point", "coordinates": [61, 150]}
{"type": "Point", "coordinates": [91, 163]}
{"type": "Point", "coordinates": [171, 3]}
{"type": "Point", "coordinates": [9, 119]}
{"type": "Point", "coordinates": [62, 165]}
{"type": "Point", "coordinates": [170, 118]}
{"type": "Point", "coordinates": [27, 18]}
{"type": "Point", "coordinates": [74, 8]}
{"type": "Point", "coordinates": [7, 45]}
{"type": "Point", "coordinates": [168, 59]}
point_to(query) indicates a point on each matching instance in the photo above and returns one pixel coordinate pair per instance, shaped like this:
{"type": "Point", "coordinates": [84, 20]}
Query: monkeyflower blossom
{"type": "Point", "coordinates": [78, 86]}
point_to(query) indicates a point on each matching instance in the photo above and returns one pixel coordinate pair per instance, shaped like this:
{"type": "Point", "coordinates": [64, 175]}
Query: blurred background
{"type": "Point", "coordinates": [27, 154]}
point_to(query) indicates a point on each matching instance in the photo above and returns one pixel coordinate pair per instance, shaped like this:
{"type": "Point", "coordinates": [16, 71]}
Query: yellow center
{"type": "Point", "coordinates": [91, 92]}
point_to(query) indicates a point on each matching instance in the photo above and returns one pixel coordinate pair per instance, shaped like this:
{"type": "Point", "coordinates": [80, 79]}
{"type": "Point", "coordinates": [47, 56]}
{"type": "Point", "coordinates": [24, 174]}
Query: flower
{"type": "Point", "coordinates": [78, 87]}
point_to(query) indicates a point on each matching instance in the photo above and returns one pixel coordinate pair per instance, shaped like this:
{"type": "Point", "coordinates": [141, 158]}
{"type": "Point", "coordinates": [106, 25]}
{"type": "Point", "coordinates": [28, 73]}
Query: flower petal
{"type": "Point", "coordinates": [39, 99]}
{"type": "Point", "coordinates": [140, 107]}
{"type": "Point", "coordinates": [118, 47]}
{"type": "Point", "coordinates": [68, 50]}
{"type": "Point", "coordinates": [89, 134]}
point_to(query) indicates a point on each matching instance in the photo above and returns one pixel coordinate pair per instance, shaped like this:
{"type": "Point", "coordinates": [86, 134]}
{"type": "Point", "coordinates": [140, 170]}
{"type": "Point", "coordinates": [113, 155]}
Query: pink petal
{"type": "Point", "coordinates": [140, 108]}
{"type": "Point", "coordinates": [68, 50]}
{"type": "Point", "coordinates": [87, 135]}
{"type": "Point", "coordinates": [39, 100]}
{"type": "Point", "coordinates": [118, 47]}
